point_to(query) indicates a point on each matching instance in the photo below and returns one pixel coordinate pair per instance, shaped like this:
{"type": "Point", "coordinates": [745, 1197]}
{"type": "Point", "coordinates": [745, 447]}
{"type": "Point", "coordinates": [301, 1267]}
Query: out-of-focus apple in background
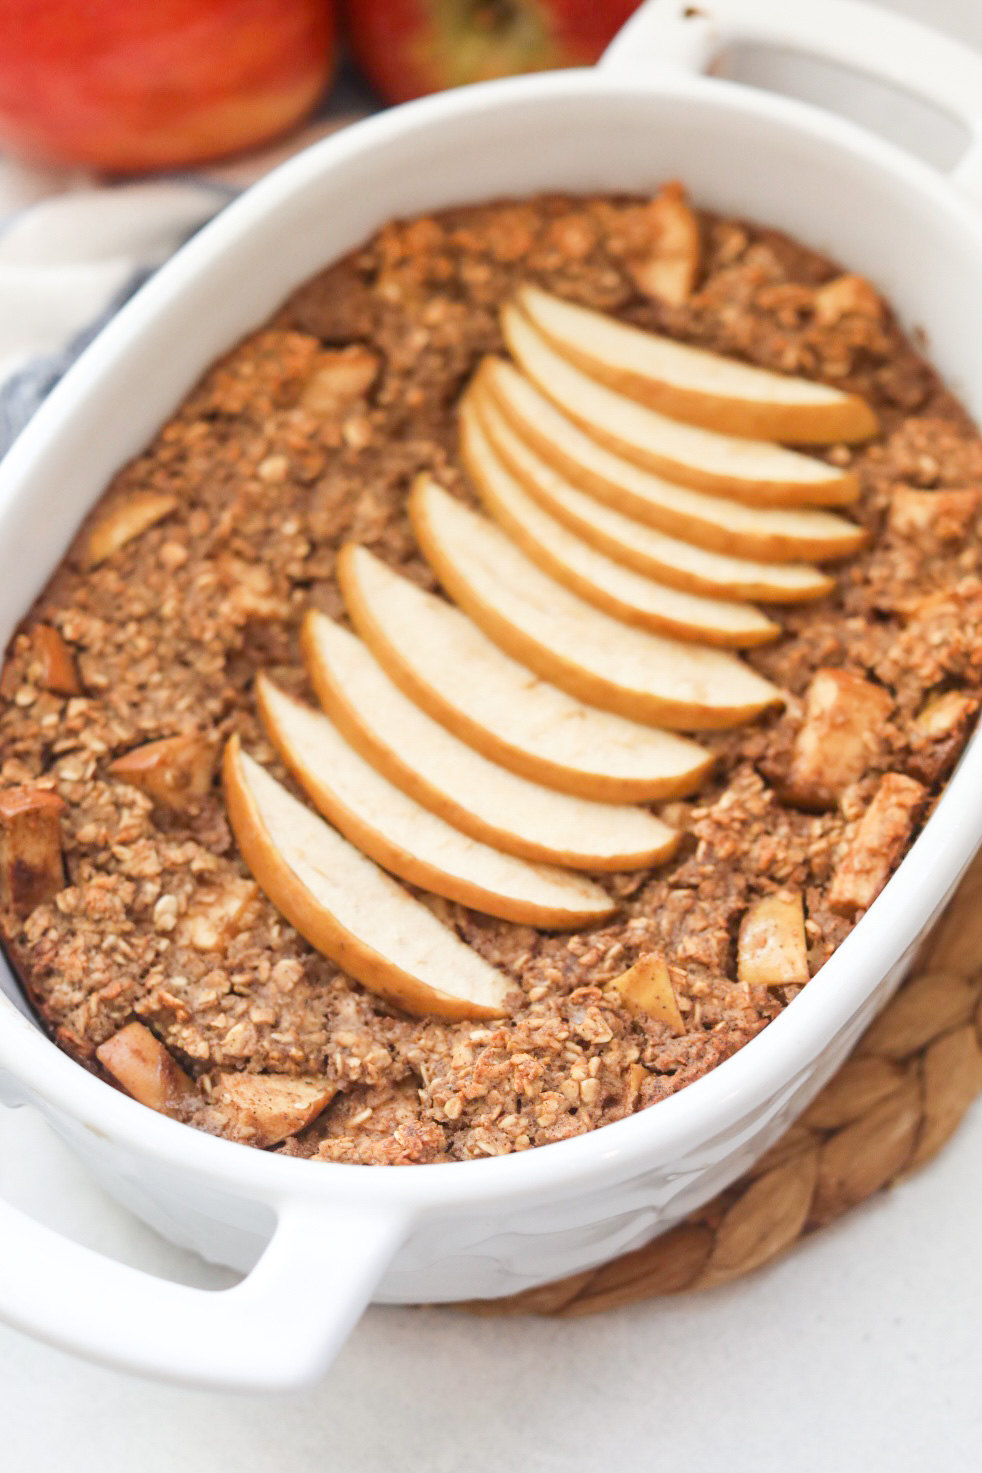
{"type": "Point", "coordinates": [129, 86]}
{"type": "Point", "coordinates": [133, 85]}
{"type": "Point", "coordinates": [407, 48]}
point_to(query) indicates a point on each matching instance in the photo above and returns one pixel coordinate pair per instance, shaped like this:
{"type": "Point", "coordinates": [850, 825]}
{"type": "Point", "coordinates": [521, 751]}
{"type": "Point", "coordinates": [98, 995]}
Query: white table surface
{"type": "Point", "coordinates": [860, 1351]}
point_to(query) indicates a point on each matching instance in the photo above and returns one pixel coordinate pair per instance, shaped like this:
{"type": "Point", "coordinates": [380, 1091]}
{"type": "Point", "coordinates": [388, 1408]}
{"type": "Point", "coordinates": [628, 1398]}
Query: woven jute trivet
{"type": "Point", "coordinates": [891, 1107]}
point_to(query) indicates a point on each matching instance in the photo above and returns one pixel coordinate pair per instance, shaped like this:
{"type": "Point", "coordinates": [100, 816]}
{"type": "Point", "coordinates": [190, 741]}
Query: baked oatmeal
{"type": "Point", "coordinates": [127, 909]}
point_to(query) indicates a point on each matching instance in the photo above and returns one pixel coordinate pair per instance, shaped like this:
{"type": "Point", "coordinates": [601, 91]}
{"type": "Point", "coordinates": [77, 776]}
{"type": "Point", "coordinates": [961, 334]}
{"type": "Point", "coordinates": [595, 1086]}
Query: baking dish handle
{"type": "Point", "coordinates": [679, 35]}
{"type": "Point", "coordinates": [276, 1330]}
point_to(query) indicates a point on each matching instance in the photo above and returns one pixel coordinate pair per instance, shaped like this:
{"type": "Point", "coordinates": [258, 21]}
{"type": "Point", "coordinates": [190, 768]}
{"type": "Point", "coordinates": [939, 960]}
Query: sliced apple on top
{"type": "Point", "coordinates": [593, 657]}
{"type": "Point", "coordinates": [635, 544]}
{"type": "Point", "coordinates": [351, 910]}
{"type": "Point", "coordinates": [611, 586]}
{"type": "Point", "coordinates": [770, 534]}
{"type": "Point", "coordinates": [693, 385]}
{"type": "Point", "coordinates": [446, 665]}
{"type": "Point", "coordinates": [456, 782]}
{"type": "Point", "coordinates": [407, 839]}
{"type": "Point", "coordinates": [753, 471]}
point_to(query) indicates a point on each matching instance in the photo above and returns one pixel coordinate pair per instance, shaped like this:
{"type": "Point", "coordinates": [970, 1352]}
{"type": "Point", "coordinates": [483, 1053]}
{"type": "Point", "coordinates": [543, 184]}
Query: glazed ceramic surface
{"type": "Point", "coordinates": [317, 1241]}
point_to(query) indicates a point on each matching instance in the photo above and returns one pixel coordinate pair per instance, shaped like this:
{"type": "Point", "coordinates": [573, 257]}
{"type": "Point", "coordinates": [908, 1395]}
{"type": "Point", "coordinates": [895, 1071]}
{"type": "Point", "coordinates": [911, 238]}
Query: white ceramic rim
{"type": "Point", "coordinates": [735, 1088]}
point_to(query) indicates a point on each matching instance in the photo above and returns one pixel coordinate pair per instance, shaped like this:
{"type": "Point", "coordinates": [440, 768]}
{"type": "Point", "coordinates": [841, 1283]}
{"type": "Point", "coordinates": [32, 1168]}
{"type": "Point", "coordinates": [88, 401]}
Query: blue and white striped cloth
{"type": "Point", "coordinates": [68, 262]}
{"type": "Point", "coordinates": [74, 248]}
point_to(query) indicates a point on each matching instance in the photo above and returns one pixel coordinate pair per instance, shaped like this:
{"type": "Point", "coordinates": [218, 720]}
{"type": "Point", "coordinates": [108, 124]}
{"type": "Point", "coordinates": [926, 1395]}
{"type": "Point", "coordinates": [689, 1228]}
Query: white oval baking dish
{"type": "Point", "coordinates": [318, 1241]}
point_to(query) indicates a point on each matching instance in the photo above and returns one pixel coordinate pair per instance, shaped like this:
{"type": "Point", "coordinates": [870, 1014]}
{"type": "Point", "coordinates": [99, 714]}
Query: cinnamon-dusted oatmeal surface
{"type": "Point", "coordinates": [194, 571]}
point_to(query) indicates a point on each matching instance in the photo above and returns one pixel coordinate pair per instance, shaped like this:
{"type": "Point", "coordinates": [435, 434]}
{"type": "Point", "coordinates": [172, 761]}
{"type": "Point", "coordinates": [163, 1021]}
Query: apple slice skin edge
{"type": "Point", "coordinates": [743, 418]}
{"type": "Point", "coordinates": [539, 552]}
{"type": "Point", "coordinates": [391, 856]}
{"type": "Point", "coordinates": [580, 784]}
{"type": "Point", "coordinates": [850, 420]}
{"type": "Point", "coordinates": [387, 760]}
{"type": "Point", "coordinates": [766, 547]}
{"type": "Point", "coordinates": [293, 900]}
{"type": "Point", "coordinates": [486, 398]}
{"type": "Point", "coordinates": [583, 685]}
{"type": "Point", "coordinates": [839, 488]}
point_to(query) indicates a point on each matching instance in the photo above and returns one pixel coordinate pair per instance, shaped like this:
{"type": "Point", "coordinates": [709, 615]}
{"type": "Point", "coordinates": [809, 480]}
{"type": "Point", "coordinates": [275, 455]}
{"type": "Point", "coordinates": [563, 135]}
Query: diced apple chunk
{"type": "Point", "coordinates": [846, 296]}
{"type": "Point", "coordinates": [269, 1107]}
{"type": "Point", "coordinates": [636, 1076]}
{"type": "Point", "coordinates": [251, 592]}
{"type": "Point", "coordinates": [944, 515]}
{"type": "Point", "coordinates": [940, 731]}
{"type": "Point", "coordinates": [125, 520]}
{"type": "Point", "coordinates": [140, 1063]}
{"type": "Point", "coordinates": [57, 671]}
{"type": "Point", "coordinates": [216, 914]}
{"type": "Point", "coordinates": [944, 715]}
{"type": "Point", "coordinates": [877, 843]}
{"type": "Point", "coordinates": [647, 988]}
{"type": "Point", "coordinates": [176, 772]}
{"type": "Point", "coordinates": [772, 950]}
{"type": "Point", "coordinates": [341, 377]}
{"type": "Point", "coordinates": [840, 733]}
{"type": "Point", "coordinates": [32, 870]}
{"type": "Point", "coordinates": [669, 271]}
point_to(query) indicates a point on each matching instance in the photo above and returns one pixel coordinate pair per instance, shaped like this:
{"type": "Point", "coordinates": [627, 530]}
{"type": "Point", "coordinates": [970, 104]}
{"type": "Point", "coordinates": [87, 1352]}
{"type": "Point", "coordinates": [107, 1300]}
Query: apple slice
{"type": "Point", "coordinates": [771, 534]}
{"type": "Point", "coordinates": [635, 544]}
{"type": "Point", "coordinates": [451, 779]}
{"type": "Point", "coordinates": [752, 471]}
{"type": "Point", "coordinates": [691, 384]}
{"type": "Point", "coordinates": [446, 665]}
{"type": "Point", "coordinates": [663, 682]}
{"type": "Point", "coordinates": [413, 843]}
{"type": "Point", "coordinates": [348, 908]}
{"type": "Point", "coordinates": [610, 586]}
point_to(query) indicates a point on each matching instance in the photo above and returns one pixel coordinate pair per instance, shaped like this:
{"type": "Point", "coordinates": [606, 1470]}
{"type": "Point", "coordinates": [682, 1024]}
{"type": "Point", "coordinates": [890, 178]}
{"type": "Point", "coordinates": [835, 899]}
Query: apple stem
{"type": "Point", "coordinates": [493, 16]}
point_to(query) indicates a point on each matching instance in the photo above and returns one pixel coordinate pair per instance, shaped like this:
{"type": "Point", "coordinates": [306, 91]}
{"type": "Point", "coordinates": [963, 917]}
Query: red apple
{"type": "Point", "coordinates": [128, 85]}
{"type": "Point", "coordinates": [407, 48]}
